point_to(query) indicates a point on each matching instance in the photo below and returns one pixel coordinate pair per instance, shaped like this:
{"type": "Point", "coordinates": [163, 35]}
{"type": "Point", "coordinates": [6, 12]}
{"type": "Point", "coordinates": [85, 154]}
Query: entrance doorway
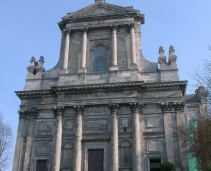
{"type": "Point", "coordinates": [155, 164]}
{"type": "Point", "coordinates": [95, 159]}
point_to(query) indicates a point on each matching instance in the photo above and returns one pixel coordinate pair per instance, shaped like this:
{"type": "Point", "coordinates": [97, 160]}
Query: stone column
{"type": "Point", "coordinates": [66, 33]}
{"type": "Point", "coordinates": [132, 47]}
{"type": "Point", "coordinates": [82, 68]}
{"type": "Point", "coordinates": [114, 137]}
{"type": "Point", "coordinates": [59, 111]}
{"type": "Point", "coordinates": [179, 107]}
{"type": "Point", "coordinates": [32, 117]}
{"type": "Point", "coordinates": [18, 156]}
{"type": "Point", "coordinates": [78, 137]}
{"type": "Point", "coordinates": [114, 49]}
{"type": "Point", "coordinates": [167, 109]}
{"type": "Point", "coordinates": [135, 110]}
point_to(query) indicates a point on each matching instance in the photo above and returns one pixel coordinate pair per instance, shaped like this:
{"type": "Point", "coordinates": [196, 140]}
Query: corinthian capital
{"type": "Point", "coordinates": [132, 25]}
{"type": "Point", "coordinates": [136, 107]}
{"type": "Point", "coordinates": [27, 113]}
{"type": "Point", "coordinates": [114, 26]}
{"type": "Point", "coordinates": [79, 110]}
{"type": "Point", "coordinates": [84, 29]}
{"type": "Point", "coordinates": [114, 108]}
{"type": "Point", "coordinates": [66, 31]}
{"type": "Point", "coordinates": [59, 110]}
{"type": "Point", "coordinates": [167, 107]}
{"type": "Point", "coordinates": [179, 106]}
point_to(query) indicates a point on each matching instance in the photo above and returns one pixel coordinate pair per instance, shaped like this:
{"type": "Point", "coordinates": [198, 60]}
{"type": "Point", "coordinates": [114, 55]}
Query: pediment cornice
{"type": "Point", "coordinates": [100, 10]}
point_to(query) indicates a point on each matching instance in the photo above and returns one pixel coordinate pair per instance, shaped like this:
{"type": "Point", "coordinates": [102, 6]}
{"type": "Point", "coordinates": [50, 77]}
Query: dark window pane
{"type": "Point", "coordinates": [41, 165]}
{"type": "Point", "coordinates": [155, 164]}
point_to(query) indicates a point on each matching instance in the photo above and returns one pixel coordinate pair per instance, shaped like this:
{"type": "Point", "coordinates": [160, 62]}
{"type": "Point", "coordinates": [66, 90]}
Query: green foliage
{"type": "Point", "coordinates": [167, 166]}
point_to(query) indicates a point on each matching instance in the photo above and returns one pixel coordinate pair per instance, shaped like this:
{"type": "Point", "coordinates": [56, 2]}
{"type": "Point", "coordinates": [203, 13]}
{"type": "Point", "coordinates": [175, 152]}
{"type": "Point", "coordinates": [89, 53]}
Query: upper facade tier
{"type": "Point", "coordinates": [100, 15]}
{"type": "Point", "coordinates": [101, 44]}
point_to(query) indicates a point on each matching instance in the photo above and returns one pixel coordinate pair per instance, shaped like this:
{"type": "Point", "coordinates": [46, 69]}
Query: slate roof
{"type": "Point", "coordinates": [190, 98]}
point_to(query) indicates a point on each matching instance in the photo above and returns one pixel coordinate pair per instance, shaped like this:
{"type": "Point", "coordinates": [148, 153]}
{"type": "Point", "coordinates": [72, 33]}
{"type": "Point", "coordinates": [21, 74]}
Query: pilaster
{"type": "Point", "coordinates": [114, 66]}
{"type": "Point", "coordinates": [82, 68]}
{"type": "Point", "coordinates": [19, 151]}
{"type": "Point", "coordinates": [167, 110]}
{"type": "Point", "coordinates": [179, 107]}
{"type": "Point", "coordinates": [78, 137]}
{"type": "Point", "coordinates": [133, 49]}
{"type": "Point", "coordinates": [135, 110]}
{"type": "Point", "coordinates": [32, 117]}
{"type": "Point", "coordinates": [114, 137]}
{"type": "Point", "coordinates": [59, 111]}
{"type": "Point", "coordinates": [66, 33]}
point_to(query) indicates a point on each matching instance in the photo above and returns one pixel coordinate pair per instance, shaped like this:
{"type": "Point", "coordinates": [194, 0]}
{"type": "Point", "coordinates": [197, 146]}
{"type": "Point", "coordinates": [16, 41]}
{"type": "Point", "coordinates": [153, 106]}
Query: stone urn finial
{"type": "Point", "coordinates": [172, 56]}
{"type": "Point", "coordinates": [161, 58]}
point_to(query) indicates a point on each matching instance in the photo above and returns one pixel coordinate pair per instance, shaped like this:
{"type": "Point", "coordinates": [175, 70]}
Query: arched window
{"type": "Point", "coordinates": [100, 61]}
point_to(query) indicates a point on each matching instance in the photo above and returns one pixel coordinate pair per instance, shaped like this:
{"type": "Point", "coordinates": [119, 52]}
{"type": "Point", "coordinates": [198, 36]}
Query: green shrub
{"type": "Point", "coordinates": [167, 166]}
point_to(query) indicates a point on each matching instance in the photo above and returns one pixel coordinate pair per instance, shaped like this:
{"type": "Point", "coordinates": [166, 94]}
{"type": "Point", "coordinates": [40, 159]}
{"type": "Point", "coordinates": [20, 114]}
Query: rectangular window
{"type": "Point", "coordinates": [155, 164]}
{"type": "Point", "coordinates": [41, 165]}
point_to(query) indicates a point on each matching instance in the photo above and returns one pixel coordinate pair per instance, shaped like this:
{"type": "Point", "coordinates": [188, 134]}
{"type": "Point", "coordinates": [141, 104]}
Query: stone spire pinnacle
{"type": "Point", "coordinates": [97, 1]}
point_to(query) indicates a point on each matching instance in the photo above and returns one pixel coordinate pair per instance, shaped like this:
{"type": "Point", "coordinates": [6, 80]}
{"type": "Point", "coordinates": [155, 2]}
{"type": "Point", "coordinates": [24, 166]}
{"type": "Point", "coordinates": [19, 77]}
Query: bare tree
{"type": "Point", "coordinates": [203, 77]}
{"type": "Point", "coordinates": [5, 144]}
{"type": "Point", "coordinates": [196, 137]}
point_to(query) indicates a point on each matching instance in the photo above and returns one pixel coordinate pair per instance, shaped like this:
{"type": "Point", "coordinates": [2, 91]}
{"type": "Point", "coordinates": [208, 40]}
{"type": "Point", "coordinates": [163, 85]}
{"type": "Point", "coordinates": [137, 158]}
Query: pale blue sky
{"type": "Point", "coordinates": [29, 28]}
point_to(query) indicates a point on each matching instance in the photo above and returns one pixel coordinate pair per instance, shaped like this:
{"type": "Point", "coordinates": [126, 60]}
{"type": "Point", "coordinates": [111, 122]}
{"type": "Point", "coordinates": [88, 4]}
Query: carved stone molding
{"type": "Point", "coordinates": [59, 110]}
{"type": "Point", "coordinates": [27, 113]}
{"type": "Point", "coordinates": [179, 106]}
{"type": "Point", "coordinates": [136, 107]}
{"type": "Point", "coordinates": [66, 31]}
{"type": "Point", "coordinates": [167, 107]}
{"type": "Point", "coordinates": [114, 26]}
{"type": "Point", "coordinates": [79, 109]}
{"type": "Point", "coordinates": [114, 108]}
{"type": "Point", "coordinates": [132, 25]}
{"type": "Point", "coordinates": [84, 29]}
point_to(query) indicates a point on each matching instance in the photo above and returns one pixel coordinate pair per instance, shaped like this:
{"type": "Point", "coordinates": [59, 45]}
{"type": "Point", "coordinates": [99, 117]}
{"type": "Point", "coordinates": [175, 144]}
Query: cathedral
{"type": "Point", "coordinates": [103, 107]}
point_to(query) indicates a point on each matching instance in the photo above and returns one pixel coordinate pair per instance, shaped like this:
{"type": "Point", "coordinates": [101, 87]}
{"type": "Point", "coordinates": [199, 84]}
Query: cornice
{"type": "Point", "coordinates": [139, 85]}
{"type": "Point", "coordinates": [167, 85]}
{"type": "Point", "coordinates": [34, 93]}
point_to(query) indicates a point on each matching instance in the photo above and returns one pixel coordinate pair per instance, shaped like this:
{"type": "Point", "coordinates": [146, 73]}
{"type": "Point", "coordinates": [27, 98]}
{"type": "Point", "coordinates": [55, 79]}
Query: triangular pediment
{"type": "Point", "coordinates": [100, 9]}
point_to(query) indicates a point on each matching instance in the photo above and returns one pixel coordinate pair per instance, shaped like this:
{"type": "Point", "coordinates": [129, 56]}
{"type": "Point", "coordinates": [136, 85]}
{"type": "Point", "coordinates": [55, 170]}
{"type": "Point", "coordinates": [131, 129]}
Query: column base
{"type": "Point", "coordinates": [113, 68]}
{"type": "Point", "coordinates": [133, 66]}
{"type": "Point", "coordinates": [82, 70]}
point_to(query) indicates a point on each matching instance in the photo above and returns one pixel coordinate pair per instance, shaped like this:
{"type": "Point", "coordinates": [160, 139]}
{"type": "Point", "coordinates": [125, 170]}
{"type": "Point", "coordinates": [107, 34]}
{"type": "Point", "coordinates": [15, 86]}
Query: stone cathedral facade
{"type": "Point", "coordinates": [103, 107]}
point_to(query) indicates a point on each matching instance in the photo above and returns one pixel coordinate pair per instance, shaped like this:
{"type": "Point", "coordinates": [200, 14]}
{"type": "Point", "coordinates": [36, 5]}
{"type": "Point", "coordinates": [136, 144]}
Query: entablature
{"type": "Point", "coordinates": [121, 86]}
